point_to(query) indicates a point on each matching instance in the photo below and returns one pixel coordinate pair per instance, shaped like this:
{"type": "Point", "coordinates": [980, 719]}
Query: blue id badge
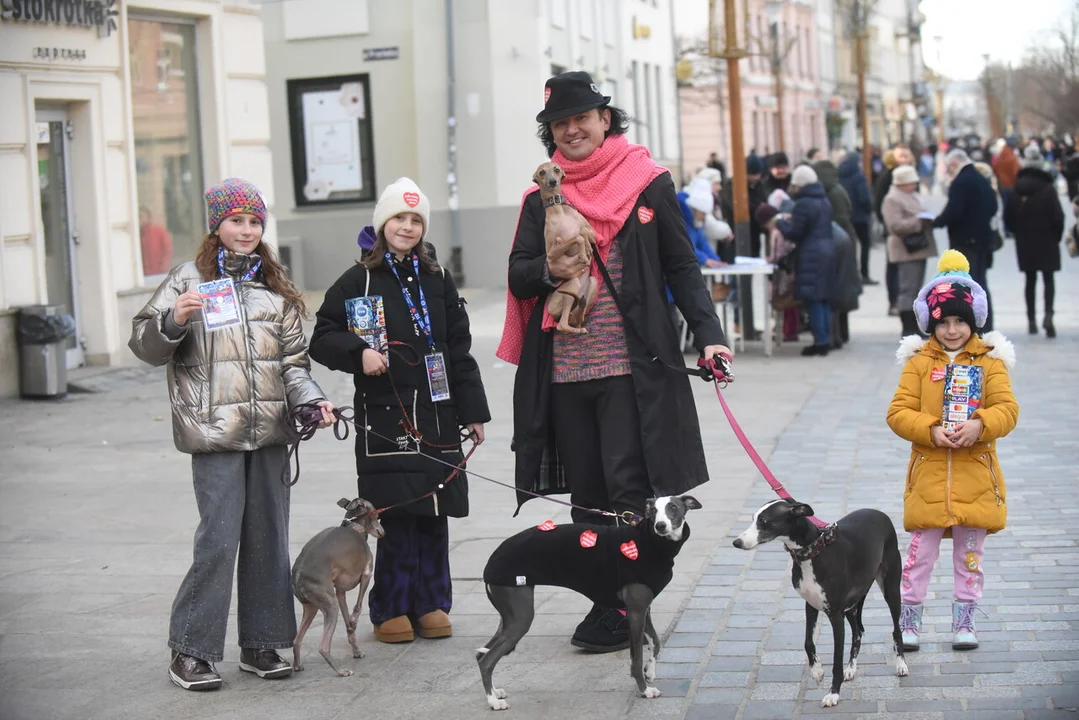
{"type": "Point", "coordinates": [437, 378]}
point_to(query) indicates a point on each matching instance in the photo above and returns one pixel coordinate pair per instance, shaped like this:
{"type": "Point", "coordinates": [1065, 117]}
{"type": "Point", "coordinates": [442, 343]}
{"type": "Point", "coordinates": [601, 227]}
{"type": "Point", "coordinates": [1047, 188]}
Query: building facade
{"type": "Point", "coordinates": [116, 115]}
{"type": "Point", "coordinates": [362, 93]}
{"type": "Point", "coordinates": [704, 97]}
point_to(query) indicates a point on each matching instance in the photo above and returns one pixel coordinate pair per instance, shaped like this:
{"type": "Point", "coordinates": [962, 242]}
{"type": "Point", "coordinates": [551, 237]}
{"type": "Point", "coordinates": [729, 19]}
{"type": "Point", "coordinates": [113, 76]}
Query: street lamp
{"type": "Point", "coordinates": [774, 9]}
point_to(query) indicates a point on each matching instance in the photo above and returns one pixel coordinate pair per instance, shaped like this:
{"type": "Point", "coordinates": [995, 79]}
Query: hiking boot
{"type": "Point", "coordinates": [910, 624]}
{"type": "Point", "coordinates": [192, 673]}
{"type": "Point", "coordinates": [866, 280]}
{"type": "Point", "coordinates": [1050, 331]}
{"type": "Point", "coordinates": [963, 625]}
{"type": "Point", "coordinates": [395, 630]}
{"type": "Point", "coordinates": [264, 663]}
{"type": "Point", "coordinates": [603, 630]}
{"type": "Point", "coordinates": [434, 625]}
{"type": "Point", "coordinates": [1032, 325]}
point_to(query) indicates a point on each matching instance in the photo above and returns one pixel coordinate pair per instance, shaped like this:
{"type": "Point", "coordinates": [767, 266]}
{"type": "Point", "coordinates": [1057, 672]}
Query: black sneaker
{"type": "Point", "coordinates": [603, 630]}
{"type": "Point", "coordinates": [264, 663]}
{"type": "Point", "coordinates": [192, 673]}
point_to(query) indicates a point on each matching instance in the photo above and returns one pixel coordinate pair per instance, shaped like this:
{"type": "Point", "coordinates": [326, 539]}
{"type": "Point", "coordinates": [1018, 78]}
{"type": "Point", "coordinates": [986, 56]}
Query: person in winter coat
{"type": "Point", "coordinates": [1006, 168]}
{"type": "Point", "coordinates": [602, 415]}
{"type": "Point", "coordinates": [972, 204]}
{"type": "Point", "coordinates": [1071, 172]}
{"type": "Point", "coordinates": [854, 182]}
{"type": "Point", "coordinates": [903, 217]}
{"type": "Point", "coordinates": [1034, 215]}
{"type": "Point", "coordinates": [848, 279]}
{"type": "Point", "coordinates": [809, 227]}
{"type": "Point", "coordinates": [954, 484]}
{"type": "Point", "coordinates": [779, 174]}
{"type": "Point", "coordinates": [414, 395]}
{"type": "Point", "coordinates": [232, 387]}
{"type": "Point", "coordinates": [757, 196]}
{"type": "Point", "coordinates": [696, 204]}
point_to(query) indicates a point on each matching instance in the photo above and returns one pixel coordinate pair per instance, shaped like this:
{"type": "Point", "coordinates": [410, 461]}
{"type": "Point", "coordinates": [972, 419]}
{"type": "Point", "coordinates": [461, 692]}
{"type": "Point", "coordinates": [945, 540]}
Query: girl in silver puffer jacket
{"type": "Point", "coordinates": [228, 326]}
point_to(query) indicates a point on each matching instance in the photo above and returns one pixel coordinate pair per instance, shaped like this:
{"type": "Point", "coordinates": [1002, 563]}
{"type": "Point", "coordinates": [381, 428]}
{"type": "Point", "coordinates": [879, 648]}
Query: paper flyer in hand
{"type": "Point", "coordinates": [367, 318]}
{"type": "Point", "coordinates": [962, 394]}
{"type": "Point", "coordinates": [220, 308]}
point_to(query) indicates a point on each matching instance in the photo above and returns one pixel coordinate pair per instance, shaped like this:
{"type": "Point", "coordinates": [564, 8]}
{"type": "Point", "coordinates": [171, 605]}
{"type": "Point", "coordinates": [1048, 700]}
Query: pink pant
{"type": "Point", "coordinates": [922, 552]}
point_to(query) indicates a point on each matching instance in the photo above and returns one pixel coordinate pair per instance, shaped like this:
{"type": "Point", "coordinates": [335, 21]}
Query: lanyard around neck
{"type": "Point", "coordinates": [247, 277]}
{"type": "Point", "coordinates": [420, 316]}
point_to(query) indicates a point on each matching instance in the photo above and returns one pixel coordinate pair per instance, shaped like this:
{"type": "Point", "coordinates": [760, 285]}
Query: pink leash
{"type": "Point", "coordinates": [721, 374]}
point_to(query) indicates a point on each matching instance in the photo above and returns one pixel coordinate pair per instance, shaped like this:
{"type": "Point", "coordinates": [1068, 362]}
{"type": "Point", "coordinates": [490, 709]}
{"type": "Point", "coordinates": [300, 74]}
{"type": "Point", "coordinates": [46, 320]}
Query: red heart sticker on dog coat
{"type": "Point", "coordinates": [547, 526]}
{"type": "Point", "coordinates": [546, 95]}
{"type": "Point", "coordinates": [411, 199]}
{"type": "Point", "coordinates": [629, 550]}
{"type": "Point", "coordinates": [937, 374]}
{"type": "Point", "coordinates": [588, 539]}
{"type": "Point", "coordinates": [645, 214]}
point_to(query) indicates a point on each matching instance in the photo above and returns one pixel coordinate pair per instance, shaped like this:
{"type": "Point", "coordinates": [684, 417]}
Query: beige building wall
{"type": "Point", "coordinates": [94, 88]}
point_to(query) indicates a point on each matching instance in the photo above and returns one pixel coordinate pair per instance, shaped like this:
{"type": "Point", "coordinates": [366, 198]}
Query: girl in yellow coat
{"type": "Point", "coordinates": [954, 485]}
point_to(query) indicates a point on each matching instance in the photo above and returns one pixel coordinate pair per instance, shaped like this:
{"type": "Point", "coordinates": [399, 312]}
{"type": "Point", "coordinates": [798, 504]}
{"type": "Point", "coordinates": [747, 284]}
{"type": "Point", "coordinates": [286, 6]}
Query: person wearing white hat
{"type": "Point", "coordinates": [910, 243]}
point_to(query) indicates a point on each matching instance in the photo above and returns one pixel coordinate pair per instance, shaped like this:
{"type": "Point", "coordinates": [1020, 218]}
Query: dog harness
{"type": "Point", "coordinates": [554, 200]}
{"type": "Point", "coordinates": [594, 560]}
{"type": "Point", "coordinates": [827, 537]}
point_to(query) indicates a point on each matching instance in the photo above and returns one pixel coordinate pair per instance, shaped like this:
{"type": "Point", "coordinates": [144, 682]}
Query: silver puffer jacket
{"type": "Point", "coordinates": [230, 388]}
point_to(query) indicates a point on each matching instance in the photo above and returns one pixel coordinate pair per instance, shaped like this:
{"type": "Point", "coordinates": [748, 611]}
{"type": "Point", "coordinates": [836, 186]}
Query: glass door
{"type": "Point", "coordinates": [53, 164]}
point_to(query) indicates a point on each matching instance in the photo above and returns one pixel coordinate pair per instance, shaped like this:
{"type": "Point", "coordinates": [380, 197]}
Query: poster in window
{"type": "Point", "coordinates": [332, 139]}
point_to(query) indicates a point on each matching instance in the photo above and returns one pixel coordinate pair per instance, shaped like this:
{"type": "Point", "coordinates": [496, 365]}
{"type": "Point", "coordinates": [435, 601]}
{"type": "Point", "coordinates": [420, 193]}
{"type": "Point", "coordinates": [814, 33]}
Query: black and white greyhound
{"type": "Point", "coordinates": [611, 565]}
{"type": "Point", "coordinates": [834, 568]}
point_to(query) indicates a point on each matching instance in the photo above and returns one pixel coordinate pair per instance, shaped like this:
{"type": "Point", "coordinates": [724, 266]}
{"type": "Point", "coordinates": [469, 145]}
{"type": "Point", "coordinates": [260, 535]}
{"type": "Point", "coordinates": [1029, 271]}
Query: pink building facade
{"type": "Point", "coordinates": [704, 101]}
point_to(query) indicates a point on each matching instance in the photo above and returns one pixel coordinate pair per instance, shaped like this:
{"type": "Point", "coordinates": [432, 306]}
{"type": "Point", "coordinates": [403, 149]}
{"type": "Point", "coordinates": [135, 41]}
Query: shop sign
{"type": "Point", "coordinates": [54, 53]}
{"type": "Point", "coordinates": [101, 14]}
{"type": "Point", "coordinates": [386, 53]}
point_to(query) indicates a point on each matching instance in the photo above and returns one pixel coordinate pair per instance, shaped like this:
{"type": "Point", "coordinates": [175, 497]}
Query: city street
{"type": "Point", "coordinates": [97, 517]}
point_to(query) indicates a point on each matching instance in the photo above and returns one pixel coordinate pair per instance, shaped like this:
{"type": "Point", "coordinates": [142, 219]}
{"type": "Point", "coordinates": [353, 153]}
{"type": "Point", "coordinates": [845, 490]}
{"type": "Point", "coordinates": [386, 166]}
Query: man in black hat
{"type": "Point", "coordinates": [602, 415]}
{"type": "Point", "coordinates": [779, 173]}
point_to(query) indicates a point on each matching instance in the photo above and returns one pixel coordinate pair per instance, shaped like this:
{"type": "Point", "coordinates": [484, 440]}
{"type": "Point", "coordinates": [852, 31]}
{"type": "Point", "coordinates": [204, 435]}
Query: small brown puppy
{"type": "Point", "coordinates": [330, 564]}
{"type": "Point", "coordinates": [566, 232]}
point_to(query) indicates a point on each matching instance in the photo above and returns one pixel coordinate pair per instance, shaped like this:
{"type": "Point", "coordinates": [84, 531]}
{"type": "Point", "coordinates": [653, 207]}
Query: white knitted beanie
{"type": "Point", "coordinates": [803, 175]}
{"type": "Point", "coordinates": [699, 196]}
{"type": "Point", "coordinates": [400, 197]}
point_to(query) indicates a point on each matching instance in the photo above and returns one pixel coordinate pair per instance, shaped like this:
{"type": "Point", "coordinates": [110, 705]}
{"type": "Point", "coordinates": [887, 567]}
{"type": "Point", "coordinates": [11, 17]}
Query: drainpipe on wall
{"type": "Point", "coordinates": [456, 264]}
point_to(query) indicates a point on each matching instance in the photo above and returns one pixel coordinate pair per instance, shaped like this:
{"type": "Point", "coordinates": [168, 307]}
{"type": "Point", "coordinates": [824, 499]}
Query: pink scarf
{"type": "Point", "coordinates": [604, 188]}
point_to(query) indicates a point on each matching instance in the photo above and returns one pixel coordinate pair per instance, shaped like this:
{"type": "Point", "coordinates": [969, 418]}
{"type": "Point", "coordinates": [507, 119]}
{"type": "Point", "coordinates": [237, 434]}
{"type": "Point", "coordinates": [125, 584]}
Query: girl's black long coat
{"type": "Point", "coordinates": [387, 473]}
{"type": "Point", "coordinates": [654, 254]}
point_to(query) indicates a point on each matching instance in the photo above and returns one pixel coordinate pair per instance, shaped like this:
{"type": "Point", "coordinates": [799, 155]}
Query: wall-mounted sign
{"type": "Point", "coordinates": [641, 31]}
{"type": "Point", "coordinates": [47, 53]}
{"type": "Point", "coordinates": [387, 53]}
{"type": "Point", "coordinates": [101, 14]}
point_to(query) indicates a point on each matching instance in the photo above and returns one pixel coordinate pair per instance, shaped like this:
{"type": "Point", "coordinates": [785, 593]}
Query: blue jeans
{"type": "Point", "coordinates": [820, 321]}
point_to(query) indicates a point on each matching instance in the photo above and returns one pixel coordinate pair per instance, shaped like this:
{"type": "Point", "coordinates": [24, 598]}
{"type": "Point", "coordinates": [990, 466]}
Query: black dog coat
{"type": "Point", "coordinates": [594, 560]}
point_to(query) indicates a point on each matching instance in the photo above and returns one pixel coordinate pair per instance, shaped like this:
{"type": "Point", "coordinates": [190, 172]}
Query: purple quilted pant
{"type": "Point", "coordinates": [412, 568]}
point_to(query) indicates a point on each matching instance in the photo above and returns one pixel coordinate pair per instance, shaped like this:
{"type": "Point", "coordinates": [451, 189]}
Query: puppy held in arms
{"type": "Point", "coordinates": [566, 232]}
{"type": "Point", "coordinates": [611, 565]}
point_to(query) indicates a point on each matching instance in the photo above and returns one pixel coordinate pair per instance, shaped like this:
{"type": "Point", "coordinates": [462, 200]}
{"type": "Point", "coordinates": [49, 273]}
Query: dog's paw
{"type": "Point", "coordinates": [297, 667]}
{"type": "Point", "coordinates": [497, 703]}
{"type": "Point", "coordinates": [816, 671]}
{"type": "Point", "coordinates": [830, 700]}
{"type": "Point", "coordinates": [357, 653]}
{"type": "Point", "coordinates": [651, 692]}
{"type": "Point", "coordinates": [901, 668]}
{"type": "Point", "coordinates": [851, 670]}
{"type": "Point", "coordinates": [344, 673]}
{"type": "Point", "coordinates": [499, 693]}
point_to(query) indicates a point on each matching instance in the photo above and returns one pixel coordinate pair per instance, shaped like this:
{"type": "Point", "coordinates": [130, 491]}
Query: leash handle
{"type": "Point", "coordinates": [717, 368]}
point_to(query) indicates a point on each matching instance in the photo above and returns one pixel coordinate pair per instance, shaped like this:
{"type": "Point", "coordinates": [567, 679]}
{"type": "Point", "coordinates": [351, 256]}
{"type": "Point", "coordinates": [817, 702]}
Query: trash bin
{"type": "Point", "coordinates": [43, 331]}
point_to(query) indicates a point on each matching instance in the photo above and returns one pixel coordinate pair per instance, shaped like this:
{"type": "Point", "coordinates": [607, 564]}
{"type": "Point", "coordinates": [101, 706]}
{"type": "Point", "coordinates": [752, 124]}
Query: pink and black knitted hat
{"type": "Point", "coordinates": [231, 197]}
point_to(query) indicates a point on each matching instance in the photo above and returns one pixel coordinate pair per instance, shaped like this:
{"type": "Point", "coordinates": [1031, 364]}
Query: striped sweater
{"type": "Point", "coordinates": [602, 351]}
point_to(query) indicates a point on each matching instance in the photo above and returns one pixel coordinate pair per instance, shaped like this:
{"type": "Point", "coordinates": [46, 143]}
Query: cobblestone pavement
{"type": "Point", "coordinates": [736, 651]}
{"type": "Point", "coordinates": [97, 516]}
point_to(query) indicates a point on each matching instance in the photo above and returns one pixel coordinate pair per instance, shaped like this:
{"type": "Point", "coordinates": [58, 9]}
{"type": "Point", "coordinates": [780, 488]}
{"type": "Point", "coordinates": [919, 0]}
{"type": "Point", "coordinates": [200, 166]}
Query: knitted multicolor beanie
{"type": "Point", "coordinates": [952, 292]}
{"type": "Point", "coordinates": [231, 197]}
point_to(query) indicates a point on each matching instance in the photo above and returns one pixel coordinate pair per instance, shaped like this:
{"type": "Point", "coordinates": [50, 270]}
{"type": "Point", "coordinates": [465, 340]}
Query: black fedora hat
{"type": "Point", "coordinates": [568, 94]}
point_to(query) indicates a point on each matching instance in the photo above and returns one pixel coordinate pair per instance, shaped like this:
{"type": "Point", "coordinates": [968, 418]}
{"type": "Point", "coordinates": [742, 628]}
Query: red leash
{"type": "Point", "coordinates": [721, 374]}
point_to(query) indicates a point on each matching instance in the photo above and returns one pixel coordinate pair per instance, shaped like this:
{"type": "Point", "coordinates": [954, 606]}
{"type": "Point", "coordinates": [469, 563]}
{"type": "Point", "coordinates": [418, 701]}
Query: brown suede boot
{"type": "Point", "coordinates": [434, 625]}
{"type": "Point", "coordinates": [394, 630]}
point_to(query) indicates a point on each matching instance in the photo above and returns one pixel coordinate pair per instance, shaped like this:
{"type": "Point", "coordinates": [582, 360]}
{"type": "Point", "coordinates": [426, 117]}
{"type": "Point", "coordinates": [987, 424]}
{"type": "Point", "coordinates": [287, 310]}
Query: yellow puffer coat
{"type": "Point", "coordinates": [953, 487]}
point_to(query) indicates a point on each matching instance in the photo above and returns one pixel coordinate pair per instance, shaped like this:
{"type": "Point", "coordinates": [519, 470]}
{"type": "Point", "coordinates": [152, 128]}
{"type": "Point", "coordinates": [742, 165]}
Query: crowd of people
{"type": "Point", "coordinates": [818, 221]}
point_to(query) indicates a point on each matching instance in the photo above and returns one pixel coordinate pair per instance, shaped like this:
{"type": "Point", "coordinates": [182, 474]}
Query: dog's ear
{"type": "Point", "coordinates": [801, 510]}
{"type": "Point", "coordinates": [690, 502]}
{"type": "Point", "coordinates": [354, 504]}
{"type": "Point", "coordinates": [343, 503]}
{"type": "Point", "coordinates": [536, 177]}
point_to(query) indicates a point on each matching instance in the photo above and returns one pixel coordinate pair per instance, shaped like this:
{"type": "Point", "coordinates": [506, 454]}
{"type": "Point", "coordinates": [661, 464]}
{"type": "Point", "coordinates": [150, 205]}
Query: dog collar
{"type": "Point", "coordinates": [827, 537]}
{"type": "Point", "coordinates": [554, 200]}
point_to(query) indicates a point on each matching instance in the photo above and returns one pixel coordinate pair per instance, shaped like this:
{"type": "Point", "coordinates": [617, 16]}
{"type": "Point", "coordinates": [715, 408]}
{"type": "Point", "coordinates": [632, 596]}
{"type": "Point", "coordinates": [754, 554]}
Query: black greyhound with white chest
{"type": "Point", "coordinates": [834, 569]}
{"type": "Point", "coordinates": [611, 565]}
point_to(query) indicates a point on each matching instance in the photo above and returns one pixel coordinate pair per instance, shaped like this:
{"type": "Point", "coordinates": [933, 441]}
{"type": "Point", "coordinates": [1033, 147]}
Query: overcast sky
{"type": "Point", "coordinates": [1002, 28]}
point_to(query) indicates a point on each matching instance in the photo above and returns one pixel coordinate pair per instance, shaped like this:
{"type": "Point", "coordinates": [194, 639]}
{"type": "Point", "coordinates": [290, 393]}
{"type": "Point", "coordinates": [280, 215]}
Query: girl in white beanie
{"type": "Point", "coordinates": [399, 298]}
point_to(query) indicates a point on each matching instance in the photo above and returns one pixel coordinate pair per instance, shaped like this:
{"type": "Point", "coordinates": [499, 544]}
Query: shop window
{"type": "Point", "coordinates": [168, 150]}
{"type": "Point", "coordinates": [332, 149]}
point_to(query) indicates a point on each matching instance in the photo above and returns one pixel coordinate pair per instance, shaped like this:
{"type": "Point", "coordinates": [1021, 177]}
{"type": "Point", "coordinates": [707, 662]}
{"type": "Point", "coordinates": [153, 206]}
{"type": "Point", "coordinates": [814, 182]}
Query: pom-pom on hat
{"type": "Point", "coordinates": [952, 292]}
{"type": "Point", "coordinates": [400, 197]}
{"type": "Point", "coordinates": [231, 197]}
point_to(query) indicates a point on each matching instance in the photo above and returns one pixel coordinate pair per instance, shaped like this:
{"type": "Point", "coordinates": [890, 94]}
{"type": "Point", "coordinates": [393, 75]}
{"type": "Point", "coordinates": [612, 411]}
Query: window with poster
{"type": "Point", "coordinates": [332, 150]}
